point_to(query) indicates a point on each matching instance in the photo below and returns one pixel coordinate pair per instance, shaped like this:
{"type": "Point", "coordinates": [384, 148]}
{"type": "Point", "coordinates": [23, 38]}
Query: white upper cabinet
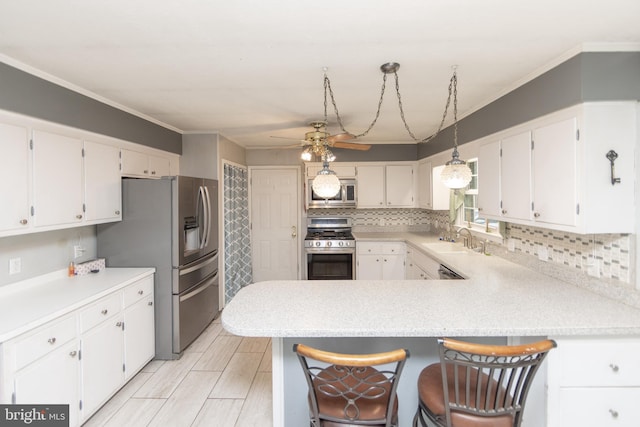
{"type": "Point", "coordinates": [102, 190]}
{"type": "Point", "coordinates": [371, 187]}
{"type": "Point", "coordinates": [399, 186]}
{"type": "Point", "coordinates": [57, 179]}
{"type": "Point", "coordinates": [515, 166]}
{"type": "Point", "coordinates": [440, 193]}
{"type": "Point", "coordinates": [386, 186]}
{"type": "Point", "coordinates": [144, 165]}
{"type": "Point", "coordinates": [14, 177]}
{"type": "Point", "coordinates": [554, 171]}
{"type": "Point", "coordinates": [424, 185]}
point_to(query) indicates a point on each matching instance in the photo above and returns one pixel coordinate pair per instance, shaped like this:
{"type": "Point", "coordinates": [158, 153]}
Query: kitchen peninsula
{"type": "Point", "coordinates": [499, 301]}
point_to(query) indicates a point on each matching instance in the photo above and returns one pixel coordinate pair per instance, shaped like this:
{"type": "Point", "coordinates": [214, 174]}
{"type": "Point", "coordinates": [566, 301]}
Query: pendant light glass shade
{"type": "Point", "coordinates": [456, 174]}
{"type": "Point", "coordinates": [326, 184]}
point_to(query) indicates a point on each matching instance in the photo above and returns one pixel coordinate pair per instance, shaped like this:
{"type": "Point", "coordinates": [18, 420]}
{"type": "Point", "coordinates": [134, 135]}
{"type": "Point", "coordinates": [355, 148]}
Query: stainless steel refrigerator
{"type": "Point", "coordinates": [170, 224]}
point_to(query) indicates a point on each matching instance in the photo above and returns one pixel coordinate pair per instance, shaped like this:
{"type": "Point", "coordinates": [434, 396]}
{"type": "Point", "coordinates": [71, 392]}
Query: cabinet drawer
{"type": "Point", "coordinates": [369, 247]}
{"type": "Point", "coordinates": [138, 290]}
{"type": "Point", "coordinates": [598, 407]}
{"type": "Point", "coordinates": [602, 362]}
{"type": "Point", "coordinates": [395, 248]}
{"type": "Point", "coordinates": [44, 340]}
{"type": "Point", "coordinates": [100, 310]}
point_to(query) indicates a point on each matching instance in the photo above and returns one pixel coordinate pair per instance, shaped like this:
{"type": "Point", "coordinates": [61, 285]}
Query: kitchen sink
{"type": "Point", "coordinates": [445, 247]}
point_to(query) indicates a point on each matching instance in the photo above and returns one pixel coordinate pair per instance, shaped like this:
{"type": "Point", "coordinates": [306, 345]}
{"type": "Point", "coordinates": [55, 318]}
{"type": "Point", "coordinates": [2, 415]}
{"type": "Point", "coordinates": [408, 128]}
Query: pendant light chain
{"type": "Point", "coordinates": [327, 86]}
{"type": "Point", "coordinates": [453, 90]}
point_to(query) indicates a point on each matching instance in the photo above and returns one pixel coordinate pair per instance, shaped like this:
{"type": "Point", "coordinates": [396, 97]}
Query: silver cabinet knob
{"type": "Point", "coordinates": [119, 324]}
{"type": "Point", "coordinates": [614, 368]}
{"type": "Point", "coordinates": [24, 222]}
{"type": "Point", "coordinates": [146, 172]}
{"type": "Point", "coordinates": [140, 292]}
{"type": "Point", "coordinates": [153, 172]}
{"type": "Point", "coordinates": [104, 312]}
{"type": "Point", "coordinates": [73, 353]}
{"type": "Point", "coordinates": [614, 413]}
{"type": "Point", "coordinates": [51, 341]}
{"type": "Point", "coordinates": [117, 212]}
{"type": "Point", "coordinates": [504, 211]}
{"type": "Point", "coordinates": [536, 214]}
{"type": "Point", "coordinates": [150, 303]}
{"type": "Point", "coordinates": [79, 216]}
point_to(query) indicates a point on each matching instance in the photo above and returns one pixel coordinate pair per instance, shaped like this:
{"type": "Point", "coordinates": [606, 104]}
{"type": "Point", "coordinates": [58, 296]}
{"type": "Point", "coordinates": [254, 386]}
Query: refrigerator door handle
{"type": "Point", "coordinates": [199, 288]}
{"type": "Point", "coordinates": [202, 198]}
{"type": "Point", "coordinates": [198, 266]}
{"type": "Point", "coordinates": [208, 210]}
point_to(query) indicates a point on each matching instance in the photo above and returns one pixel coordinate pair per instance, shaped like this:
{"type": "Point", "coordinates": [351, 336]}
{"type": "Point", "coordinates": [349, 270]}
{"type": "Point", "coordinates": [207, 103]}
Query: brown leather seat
{"type": "Point", "coordinates": [431, 392]}
{"type": "Point", "coordinates": [478, 385]}
{"type": "Point", "coordinates": [347, 390]}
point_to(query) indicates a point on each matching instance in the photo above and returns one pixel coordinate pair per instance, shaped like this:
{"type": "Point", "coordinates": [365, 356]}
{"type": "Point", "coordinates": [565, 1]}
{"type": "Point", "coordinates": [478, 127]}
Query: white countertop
{"type": "Point", "coordinates": [499, 298]}
{"type": "Point", "coordinates": [29, 304]}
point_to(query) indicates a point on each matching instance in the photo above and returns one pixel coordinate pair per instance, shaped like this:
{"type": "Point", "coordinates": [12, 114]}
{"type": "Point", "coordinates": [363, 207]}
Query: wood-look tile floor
{"type": "Point", "coordinates": [221, 380]}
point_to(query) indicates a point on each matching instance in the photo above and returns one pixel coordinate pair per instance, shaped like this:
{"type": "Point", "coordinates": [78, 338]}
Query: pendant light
{"type": "Point", "coordinates": [456, 174]}
{"type": "Point", "coordinates": [326, 183]}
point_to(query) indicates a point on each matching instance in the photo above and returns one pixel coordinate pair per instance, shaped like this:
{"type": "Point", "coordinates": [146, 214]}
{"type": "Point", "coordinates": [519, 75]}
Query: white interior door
{"type": "Point", "coordinates": [274, 201]}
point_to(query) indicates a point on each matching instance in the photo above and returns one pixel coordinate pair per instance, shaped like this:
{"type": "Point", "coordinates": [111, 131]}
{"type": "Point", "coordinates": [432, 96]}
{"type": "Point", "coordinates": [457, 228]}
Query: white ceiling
{"type": "Point", "coordinates": [254, 68]}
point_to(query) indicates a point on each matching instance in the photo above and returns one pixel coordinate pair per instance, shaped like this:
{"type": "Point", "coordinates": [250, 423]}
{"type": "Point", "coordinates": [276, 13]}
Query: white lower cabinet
{"type": "Point", "coordinates": [102, 351]}
{"type": "Point", "coordinates": [380, 260]}
{"type": "Point", "coordinates": [594, 382]}
{"type": "Point", "coordinates": [46, 367]}
{"type": "Point", "coordinates": [421, 266]}
{"type": "Point", "coordinates": [84, 357]}
{"type": "Point", "coordinates": [139, 336]}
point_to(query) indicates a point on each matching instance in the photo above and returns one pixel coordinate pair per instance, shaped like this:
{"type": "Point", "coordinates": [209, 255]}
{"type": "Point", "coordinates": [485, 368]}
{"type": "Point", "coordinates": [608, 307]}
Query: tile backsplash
{"type": "Point", "coordinates": [604, 256]}
{"type": "Point", "coordinates": [607, 256]}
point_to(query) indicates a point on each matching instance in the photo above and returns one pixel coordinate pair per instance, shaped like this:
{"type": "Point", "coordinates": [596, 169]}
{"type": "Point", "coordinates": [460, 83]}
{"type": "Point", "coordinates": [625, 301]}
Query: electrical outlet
{"type": "Point", "coordinates": [77, 251]}
{"type": "Point", "coordinates": [15, 265]}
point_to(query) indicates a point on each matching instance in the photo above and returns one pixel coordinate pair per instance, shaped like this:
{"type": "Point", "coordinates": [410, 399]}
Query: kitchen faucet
{"type": "Point", "coordinates": [468, 241]}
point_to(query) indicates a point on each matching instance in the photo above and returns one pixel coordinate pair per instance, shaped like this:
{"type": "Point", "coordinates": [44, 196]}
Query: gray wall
{"type": "Point", "coordinates": [377, 153]}
{"type": "Point", "coordinates": [27, 94]}
{"type": "Point", "coordinates": [589, 76]}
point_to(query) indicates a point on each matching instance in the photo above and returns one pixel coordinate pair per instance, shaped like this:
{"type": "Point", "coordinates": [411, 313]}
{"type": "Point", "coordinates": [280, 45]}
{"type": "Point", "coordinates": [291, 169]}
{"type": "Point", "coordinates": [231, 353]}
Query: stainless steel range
{"type": "Point", "coordinates": [330, 249]}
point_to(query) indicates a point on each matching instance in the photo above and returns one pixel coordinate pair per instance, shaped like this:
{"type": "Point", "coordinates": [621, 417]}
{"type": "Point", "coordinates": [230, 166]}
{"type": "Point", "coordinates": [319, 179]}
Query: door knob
{"type": "Point", "coordinates": [294, 232]}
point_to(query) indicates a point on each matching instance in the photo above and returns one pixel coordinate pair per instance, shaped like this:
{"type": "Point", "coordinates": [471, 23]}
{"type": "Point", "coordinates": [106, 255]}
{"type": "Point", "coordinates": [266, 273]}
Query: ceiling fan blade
{"type": "Point", "coordinates": [339, 137]}
{"type": "Point", "coordinates": [286, 137]}
{"type": "Point", "coordinates": [352, 146]}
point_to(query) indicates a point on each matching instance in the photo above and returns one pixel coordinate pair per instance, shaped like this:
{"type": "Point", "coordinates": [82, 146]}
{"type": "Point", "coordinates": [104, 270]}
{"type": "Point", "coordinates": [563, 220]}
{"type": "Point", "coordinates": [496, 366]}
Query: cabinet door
{"type": "Point", "coordinates": [102, 182]}
{"type": "Point", "coordinates": [159, 166]}
{"type": "Point", "coordinates": [399, 186]}
{"type": "Point", "coordinates": [516, 169]}
{"type": "Point", "coordinates": [554, 173]}
{"type": "Point", "coordinates": [371, 186]}
{"type": "Point", "coordinates": [102, 363]}
{"type": "Point", "coordinates": [439, 192]}
{"type": "Point", "coordinates": [57, 179]}
{"type": "Point", "coordinates": [393, 267]}
{"type": "Point", "coordinates": [139, 336]}
{"type": "Point", "coordinates": [369, 267]}
{"type": "Point", "coordinates": [53, 379]}
{"type": "Point", "coordinates": [134, 163]}
{"type": "Point", "coordinates": [424, 185]}
{"type": "Point", "coordinates": [489, 179]}
{"type": "Point", "coordinates": [14, 177]}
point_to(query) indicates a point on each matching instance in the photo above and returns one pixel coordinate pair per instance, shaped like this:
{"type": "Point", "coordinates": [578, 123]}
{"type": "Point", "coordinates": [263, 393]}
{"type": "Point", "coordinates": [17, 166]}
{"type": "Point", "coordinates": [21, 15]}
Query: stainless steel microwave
{"type": "Point", "coordinates": [346, 197]}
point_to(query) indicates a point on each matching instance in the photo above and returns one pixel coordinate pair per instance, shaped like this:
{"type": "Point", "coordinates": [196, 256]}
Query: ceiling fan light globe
{"type": "Point", "coordinates": [306, 156]}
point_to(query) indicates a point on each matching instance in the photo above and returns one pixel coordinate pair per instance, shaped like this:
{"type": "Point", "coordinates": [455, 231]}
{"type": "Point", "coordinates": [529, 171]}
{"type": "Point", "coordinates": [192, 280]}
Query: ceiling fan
{"type": "Point", "coordinates": [319, 140]}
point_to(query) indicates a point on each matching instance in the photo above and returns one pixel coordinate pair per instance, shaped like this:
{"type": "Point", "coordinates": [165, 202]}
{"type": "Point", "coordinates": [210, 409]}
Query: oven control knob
{"type": "Point", "coordinates": [317, 243]}
{"type": "Point", "coordinates": [328, 243]}
{"type": "Point", "coordinates": [340, 243]}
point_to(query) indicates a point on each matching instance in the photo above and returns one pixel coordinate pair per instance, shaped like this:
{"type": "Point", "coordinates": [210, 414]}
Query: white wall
{"type": "Point", "coordinates": [42, 253]}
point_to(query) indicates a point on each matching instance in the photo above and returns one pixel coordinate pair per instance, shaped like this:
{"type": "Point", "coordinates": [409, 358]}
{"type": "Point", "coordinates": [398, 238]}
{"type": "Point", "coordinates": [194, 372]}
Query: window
{"type": "Point", "coordinates": [470, 216]}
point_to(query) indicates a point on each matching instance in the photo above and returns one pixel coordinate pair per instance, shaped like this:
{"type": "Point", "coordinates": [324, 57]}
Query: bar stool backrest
{"type": "Point", "coordinates": [348, 389]}
{"type": "Point", "coordinates": [489, 380]}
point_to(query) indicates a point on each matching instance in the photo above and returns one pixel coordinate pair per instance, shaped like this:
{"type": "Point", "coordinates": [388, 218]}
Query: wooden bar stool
{"type": "Point", "coordinates": [484, 385]}
{"type": "Point", "coordinates": [347, 390]}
